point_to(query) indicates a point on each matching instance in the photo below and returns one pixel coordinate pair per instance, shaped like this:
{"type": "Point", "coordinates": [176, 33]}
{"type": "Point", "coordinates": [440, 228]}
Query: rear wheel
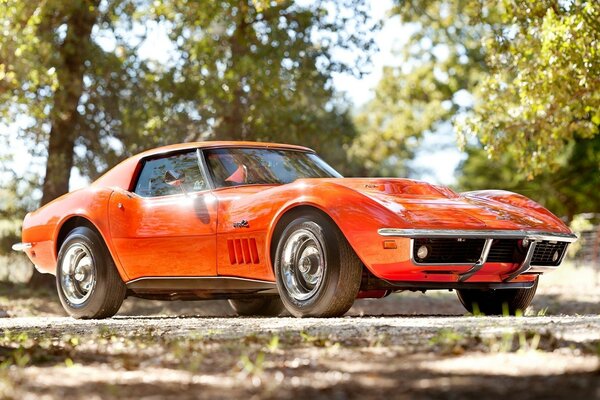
{"type": "Point", "coordinates": [497, 302]}
{"type": "Point", "coordinates": [318, 274]}
{"type": "Point", "coordinates": [263, 307]}
{"type": "Point", "coordinates": [87, 280]}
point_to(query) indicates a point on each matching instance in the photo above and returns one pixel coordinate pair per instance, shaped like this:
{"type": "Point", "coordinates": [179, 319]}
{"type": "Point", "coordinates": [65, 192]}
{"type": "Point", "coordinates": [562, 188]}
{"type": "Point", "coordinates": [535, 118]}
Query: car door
{"type": "Point", "coordinates": [162, 228]}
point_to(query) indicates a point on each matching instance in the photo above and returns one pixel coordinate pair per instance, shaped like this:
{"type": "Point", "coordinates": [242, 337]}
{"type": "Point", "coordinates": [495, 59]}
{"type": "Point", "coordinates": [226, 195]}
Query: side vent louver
{"type": "Point", "coordinates": [243, 251]}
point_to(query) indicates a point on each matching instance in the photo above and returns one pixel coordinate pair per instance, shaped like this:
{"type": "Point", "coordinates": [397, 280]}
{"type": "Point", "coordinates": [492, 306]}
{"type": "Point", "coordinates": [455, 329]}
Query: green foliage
{"type": "Point", "coordinates": [240, 69]}
{"type": "Point", "coordinates": [523, 76]}
{"type": "Point", "coordinates": [260, 73]}
{"type": "Point", "coordinates": [543, 89]}
{"type": "Point", "coordinates": [569, 190]}
{"type": "Point", "coordinates": [442, 59]}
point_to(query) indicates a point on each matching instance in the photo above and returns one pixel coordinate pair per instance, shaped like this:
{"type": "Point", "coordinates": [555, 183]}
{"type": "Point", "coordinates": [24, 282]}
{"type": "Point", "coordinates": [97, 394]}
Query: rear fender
{"type": "Point", "coordinates": [44, 227]}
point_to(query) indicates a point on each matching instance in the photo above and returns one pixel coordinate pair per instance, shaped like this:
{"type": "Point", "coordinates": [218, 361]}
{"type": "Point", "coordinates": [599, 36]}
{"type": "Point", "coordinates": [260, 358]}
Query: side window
{"type": "Point", "coordinates": [151, 182]}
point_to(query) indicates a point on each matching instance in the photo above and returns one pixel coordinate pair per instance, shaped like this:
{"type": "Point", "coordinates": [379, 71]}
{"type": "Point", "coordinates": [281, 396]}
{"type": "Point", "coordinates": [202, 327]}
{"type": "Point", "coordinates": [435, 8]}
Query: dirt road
{"type": "Point", "coordinates": [351, 357]}
{"type": "Point", "coordinates": [407, 346]}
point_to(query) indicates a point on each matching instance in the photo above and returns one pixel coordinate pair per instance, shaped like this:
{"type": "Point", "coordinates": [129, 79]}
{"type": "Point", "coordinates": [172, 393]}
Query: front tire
{"type": "Point", "coordinates": [87, 280]}
{"type": "Point", "coordinates": [318, 274]}
{"type": "Point", "coordinates": [260, 307]}
{"type": "Point", "coordinates": [497, 302]}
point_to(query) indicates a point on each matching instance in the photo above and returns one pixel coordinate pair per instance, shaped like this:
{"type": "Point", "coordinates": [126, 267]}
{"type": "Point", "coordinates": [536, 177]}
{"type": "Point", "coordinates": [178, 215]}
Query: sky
{"type": "Point", "coordinates": [439, 155]}
{"type": "Point", "coordinates": [438, 165]}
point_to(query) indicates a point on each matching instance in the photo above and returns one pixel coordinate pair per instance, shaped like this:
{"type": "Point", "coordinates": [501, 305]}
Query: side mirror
{"type": "Point", "coordinates": [173, 178]}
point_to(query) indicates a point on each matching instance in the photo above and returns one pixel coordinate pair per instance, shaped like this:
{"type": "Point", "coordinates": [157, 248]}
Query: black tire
{"type": "Point", "coordinates": [497, 302]}
{"type": "Point", "coordinates": [262, 307]}
{"type": "Point", "coordinates": [341, 270]}
{"type": "Point", "coordinates": [107, 291]}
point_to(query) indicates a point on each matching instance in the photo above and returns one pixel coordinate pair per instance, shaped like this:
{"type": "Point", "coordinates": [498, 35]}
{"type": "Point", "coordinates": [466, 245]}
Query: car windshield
{"type": "Point", "coordinates": [248, 166]}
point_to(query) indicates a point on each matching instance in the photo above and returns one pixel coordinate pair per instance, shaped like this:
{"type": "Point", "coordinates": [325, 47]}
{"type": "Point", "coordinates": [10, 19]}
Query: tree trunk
{"type": "Point", "coordinates": [73, 51]}
{"type": "Point", "coordinates": [232, 124]}
{"type": "Point", "coordinates": [81, 17]}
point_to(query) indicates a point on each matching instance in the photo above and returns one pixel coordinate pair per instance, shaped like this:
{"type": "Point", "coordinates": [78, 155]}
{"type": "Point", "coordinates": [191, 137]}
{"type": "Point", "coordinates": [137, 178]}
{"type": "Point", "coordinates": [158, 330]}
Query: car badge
{"type": "Point", "coordinates": [241, 224]}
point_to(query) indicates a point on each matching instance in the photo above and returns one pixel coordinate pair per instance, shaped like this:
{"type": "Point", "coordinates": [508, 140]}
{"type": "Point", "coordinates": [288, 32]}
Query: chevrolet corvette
{"type": "Point", "coordinates": [272, 227]}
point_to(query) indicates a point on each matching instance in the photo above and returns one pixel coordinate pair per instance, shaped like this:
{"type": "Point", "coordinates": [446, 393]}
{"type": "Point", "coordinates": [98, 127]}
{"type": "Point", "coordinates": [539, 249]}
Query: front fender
{"type": "Point", "coordinates": [359, 217]}
{"type": "Point", "coordinates": [521, 202]}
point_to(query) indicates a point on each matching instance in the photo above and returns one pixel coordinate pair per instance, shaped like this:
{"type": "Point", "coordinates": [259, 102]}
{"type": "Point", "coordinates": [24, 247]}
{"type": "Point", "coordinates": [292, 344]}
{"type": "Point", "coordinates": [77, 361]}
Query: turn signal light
{"type": "Point", "coordinates": [389, 244]}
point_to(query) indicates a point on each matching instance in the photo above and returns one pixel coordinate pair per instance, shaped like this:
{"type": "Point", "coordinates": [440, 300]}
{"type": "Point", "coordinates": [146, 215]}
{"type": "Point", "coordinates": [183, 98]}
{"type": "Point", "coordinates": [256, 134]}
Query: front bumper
{"type": "Point", "coordinates": [21, 246]}
{"type": "Point", "coordinates": [534, 238]}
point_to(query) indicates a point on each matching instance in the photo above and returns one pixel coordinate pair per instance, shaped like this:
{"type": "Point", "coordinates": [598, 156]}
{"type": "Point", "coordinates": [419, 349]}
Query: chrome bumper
{"type": "Point", "coordinates": [21, 246]}
{"type": "Point", "coordinates": [489, 235]}
{"type": "Point", "coordinates": [479, 234]}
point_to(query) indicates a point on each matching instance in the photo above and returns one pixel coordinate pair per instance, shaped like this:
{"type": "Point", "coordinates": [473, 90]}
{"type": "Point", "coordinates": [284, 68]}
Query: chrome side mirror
{"type": "Point", "coordinates": [173, 178]}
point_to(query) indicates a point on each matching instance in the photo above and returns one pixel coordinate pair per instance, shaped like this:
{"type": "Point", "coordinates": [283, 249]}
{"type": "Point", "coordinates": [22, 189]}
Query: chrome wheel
{"type": "Point", "coordinates": [78, 274]}
{"type": "Point", "coordinates": [302, 264]}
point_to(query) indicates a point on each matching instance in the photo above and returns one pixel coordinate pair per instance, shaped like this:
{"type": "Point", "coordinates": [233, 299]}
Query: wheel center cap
{"type": "Point", "coordinates": [79, 275]}
{"type": "Point", "coordinates": [305, 264]}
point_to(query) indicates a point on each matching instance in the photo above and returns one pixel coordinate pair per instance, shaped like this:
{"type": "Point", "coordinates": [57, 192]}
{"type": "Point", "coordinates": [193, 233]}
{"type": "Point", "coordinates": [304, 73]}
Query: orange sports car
{"type": "Point", "coordinates": [272, 227]}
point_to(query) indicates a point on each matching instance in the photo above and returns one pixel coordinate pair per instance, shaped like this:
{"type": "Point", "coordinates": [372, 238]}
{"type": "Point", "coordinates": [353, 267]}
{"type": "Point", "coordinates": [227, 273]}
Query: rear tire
{"type": "Point", "coordinates": [88, 283]}
{"type": "Point", "coordinates": [318, 274]}
{"type": "Point", "coordinates": [261, 307]}
{"type": "Point", "coordinates": [497, 302]}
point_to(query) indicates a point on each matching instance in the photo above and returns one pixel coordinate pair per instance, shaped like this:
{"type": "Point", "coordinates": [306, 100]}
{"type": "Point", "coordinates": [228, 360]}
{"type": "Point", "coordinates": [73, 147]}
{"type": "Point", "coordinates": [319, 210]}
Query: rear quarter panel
{"type": "Point", "coordinates": [41, 227]}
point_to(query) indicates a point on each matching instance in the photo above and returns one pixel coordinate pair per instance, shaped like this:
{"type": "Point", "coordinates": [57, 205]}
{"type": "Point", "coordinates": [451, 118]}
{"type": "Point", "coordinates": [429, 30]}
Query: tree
{"type": "Point", "coordinates": [45, 61]}
{"type": "Point", "coordinates": [241, 70]}
{"type": "Point", "coordinates": [245, 71]}
{"type": "Point", "coordinates": [569, 190]}
{"type": "Point", "coordinates": [543, 89]}
{"type": "Point", "coordinates": [59, 79]}
{"type": "Point", "coordinates": [523, 76]}
{"type": "Point", "coordinates": [442, 59]}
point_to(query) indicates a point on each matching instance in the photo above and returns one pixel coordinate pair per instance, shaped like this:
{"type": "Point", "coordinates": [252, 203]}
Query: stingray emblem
{"type": "Point", "coordinates": [241, 224]}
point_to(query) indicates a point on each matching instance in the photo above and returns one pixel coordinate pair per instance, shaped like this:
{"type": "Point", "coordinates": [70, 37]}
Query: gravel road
{"type": "Point", "coordinates": [406, 346]}
{"type": "Point", "coordinates": [351, 357]}
{"type": "Point", "coordinates": [397, 329]}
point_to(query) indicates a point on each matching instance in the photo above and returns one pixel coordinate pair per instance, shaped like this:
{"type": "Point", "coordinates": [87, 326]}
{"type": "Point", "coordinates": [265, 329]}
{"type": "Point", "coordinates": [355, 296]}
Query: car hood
{"type": "Point", "coordinates": [422, 205]}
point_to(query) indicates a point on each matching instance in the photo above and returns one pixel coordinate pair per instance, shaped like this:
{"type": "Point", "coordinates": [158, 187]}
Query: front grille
{"type": "Point", "coordinates": [467, 251]}
{"type": "Point", "coordinates": [449, 251]}
{"type": "Point", "coordinates": [505, 250]}
{"type": "Point", "coordinates": [548, 253]}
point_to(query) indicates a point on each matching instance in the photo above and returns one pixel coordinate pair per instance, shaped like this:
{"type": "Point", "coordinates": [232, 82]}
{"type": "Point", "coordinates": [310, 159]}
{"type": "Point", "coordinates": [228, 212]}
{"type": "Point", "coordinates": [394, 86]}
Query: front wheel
{"type": "Point", "coordinates": [87, 280]}
{"type": "Point", "coordinates": [318, 274]}
{"type": "Point", "coordinates": [497, 302]}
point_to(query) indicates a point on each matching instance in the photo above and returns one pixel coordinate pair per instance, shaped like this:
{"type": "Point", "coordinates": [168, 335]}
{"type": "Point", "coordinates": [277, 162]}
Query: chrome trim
{"type": "Point", "coordinates": [479, 264]}
{"type": "Point", "coordinates": [477, 234]}
{"type": "Point", "coordinates": [489, 236]}
{"type": "Point", "coordinates": [222, 284]}
{"type": "Point", "coordinates": [525, 266]}
{"type": "Point", "coordinates": [21, 246]}
{"type": "Point", "coordinates": [77, 274]}
{"type": "Point", "coordinates": [204, 168]}
{"type": "Point", "coordinates": [540, 269]}
{"type": "Point", "coordinates": [404, 285]}
{"type": "Point", "coordinates": [217, 277]}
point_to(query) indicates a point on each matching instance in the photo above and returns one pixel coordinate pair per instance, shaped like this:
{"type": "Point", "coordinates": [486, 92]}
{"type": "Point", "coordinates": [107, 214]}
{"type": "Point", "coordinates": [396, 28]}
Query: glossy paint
{"type": "Point", "coordinates": [230, 231]}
